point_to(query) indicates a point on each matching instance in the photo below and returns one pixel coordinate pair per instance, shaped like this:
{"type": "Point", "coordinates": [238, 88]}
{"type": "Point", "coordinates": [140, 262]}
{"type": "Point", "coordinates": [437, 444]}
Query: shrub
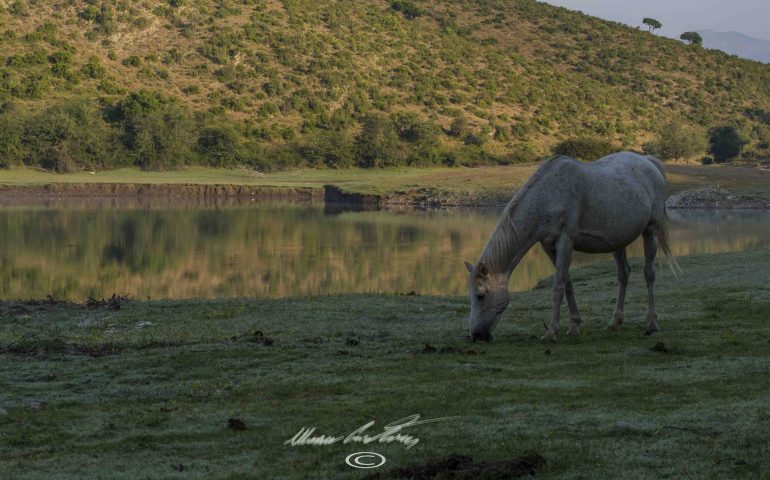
{"type": "Point", "coordinates": [675, 141]}
{"type": "Point", "coordinates": [725, 143]}
{"type": "Point", "coordinates": [93, 68]}
{"type": "Point", "coordinates": [132, 61]}
{"type": "Point", "coordinates": [413, 130]}
{"type": "Point", "coordinates": [11, 147]}
{"type": "Point", "coordinates": [377, 144]}
{"type": "Point", "coordinates": [156, 130]}
{"type": "Point", "coordinates": [66, 137]}
{"type": "Point", "coordinates": [219, 146]}
{"type": "Point", "coordinates": [408, 9]}
{"type": "Point", "coordinates": [459, 127]}
{"type": "Point", "coordinates": [327, 149]}
{"type": "Point", "coordinates": [584, 148]}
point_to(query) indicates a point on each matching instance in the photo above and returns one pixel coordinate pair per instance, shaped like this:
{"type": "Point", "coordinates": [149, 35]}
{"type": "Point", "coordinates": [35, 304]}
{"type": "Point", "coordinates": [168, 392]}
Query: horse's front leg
{"type": "Point", "coordinates": [574, 328]}
{"type": "Point", "coordinates": [563, 259]}
{"type": "Point", "coordinates": [624, 271]}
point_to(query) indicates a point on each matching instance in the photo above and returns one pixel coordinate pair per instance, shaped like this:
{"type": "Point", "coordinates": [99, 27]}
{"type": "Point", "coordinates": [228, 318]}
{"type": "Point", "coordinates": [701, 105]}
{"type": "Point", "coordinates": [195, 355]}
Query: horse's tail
{"type": "Point", "coordinates": [661, 231]}
{"type": "Point", "coordinates": [661, 227]}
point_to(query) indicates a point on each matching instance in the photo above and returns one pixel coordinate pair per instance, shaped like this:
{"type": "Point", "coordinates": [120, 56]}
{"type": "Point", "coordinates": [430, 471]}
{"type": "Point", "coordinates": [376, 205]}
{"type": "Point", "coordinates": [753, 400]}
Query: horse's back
{"type": "Point", "coordinates": [629, 165]}
{"type": "Point", "coordinates": [620, 195]}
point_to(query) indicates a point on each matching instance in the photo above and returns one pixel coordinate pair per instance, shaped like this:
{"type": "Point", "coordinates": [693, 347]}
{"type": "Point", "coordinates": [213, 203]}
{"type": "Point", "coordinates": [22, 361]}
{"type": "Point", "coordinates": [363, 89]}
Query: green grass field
{"type": "Point", "coordinates": [97, 393]}
{"type": "Point", "coordinates": [492, 182]}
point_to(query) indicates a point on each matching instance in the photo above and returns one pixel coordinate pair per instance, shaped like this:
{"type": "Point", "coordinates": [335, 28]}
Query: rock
{"type": "Point", "coordinates": [236, 424]}
{"type": "Point", "coordinates": [35, 405]}
{"type": "Point", "coordinates": [713, 197]}
{"type": "Point", "coordinates": [429, 348]}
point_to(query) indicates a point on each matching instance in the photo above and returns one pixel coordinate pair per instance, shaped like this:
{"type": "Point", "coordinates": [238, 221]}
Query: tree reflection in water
{"type": "Point", "coordinates": [75, 250]}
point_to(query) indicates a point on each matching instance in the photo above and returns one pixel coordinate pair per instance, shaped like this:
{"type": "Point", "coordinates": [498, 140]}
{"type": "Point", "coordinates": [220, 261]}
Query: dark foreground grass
{"type": "Point", "coordinates": [98, 393]}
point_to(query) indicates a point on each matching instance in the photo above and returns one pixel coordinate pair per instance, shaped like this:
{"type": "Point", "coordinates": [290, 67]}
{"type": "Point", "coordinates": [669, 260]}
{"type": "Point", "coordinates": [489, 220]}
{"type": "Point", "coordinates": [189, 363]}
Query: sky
{"type": "Point", "coordinates": [751, 17]}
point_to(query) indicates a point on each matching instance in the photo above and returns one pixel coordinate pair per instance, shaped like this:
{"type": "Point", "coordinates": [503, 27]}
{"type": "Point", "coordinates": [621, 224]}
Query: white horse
{"type": "Point", "coordinates": [567, 205]}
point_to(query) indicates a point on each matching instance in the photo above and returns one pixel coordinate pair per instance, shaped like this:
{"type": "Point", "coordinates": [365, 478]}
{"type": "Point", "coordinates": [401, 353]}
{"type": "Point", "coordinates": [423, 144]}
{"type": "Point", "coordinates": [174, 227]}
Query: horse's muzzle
{"type": "Point", "coordinates": [481, 336]}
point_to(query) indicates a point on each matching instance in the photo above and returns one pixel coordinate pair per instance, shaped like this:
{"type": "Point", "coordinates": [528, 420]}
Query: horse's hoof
{"type": "Point", "coordinates": [651, 330]}
{"type": "Point", "coordinates": [573, 331]}
{"type": "Point", "coordinates": [549, 337]}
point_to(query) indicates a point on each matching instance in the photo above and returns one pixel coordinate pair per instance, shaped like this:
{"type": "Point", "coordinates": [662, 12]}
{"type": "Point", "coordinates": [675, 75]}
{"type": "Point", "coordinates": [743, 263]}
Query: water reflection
{"type": "Point", "coordinates": [171, 250]}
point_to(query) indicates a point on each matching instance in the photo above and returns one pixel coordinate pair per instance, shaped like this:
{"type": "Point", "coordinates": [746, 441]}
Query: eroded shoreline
{"type": "Point", "coordinates": [696, 198]}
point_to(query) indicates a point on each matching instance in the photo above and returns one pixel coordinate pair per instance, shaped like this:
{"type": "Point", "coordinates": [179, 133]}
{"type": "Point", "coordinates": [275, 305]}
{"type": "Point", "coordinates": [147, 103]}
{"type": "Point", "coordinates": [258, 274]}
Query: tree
{"type": "Point", "coordinates": [652, 24]}
{"type": "Point", "coordinates": [68, 136]}
{"type": "Point", "coordinates": [156, 130]}
{"type": "Point", "coordinates": [219, 146]}
{"type": "Point", "coordinates": [677, 140]}
{"type": "Point", "coordinates": [693, 38]}
{"type": "Point", "coordinates": [725, 143]}
{"type": "Point", "coordinates": [377, 144]}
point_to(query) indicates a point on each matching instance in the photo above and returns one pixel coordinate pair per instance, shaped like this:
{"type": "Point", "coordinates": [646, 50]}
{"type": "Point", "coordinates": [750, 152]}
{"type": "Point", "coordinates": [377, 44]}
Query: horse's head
{"type": "Point", "coordinates": [489, 298]}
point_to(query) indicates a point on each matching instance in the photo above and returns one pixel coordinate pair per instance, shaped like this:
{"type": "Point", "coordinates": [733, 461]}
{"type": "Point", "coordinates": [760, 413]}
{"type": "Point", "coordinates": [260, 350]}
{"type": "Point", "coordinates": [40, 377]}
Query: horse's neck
{"type": "Point", "coordinates": [512, 239]}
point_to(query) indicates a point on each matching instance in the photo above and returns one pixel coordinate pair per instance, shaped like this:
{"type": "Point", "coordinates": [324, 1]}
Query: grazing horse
{"type": "Point", "coordinates": [567, 205]}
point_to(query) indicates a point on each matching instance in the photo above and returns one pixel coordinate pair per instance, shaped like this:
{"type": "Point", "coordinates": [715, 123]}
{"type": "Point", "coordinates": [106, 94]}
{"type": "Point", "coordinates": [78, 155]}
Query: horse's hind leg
{"type": "Point", "coordinates": [574, 328]}
{"type": "Point", "coordinates": [650, 250]}
{"type": "Point", "coordinates": [624, 271]}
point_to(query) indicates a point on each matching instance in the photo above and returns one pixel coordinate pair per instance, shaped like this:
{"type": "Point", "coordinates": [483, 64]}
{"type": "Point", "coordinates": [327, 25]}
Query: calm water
{"type": "Point", "coordinates": [76, 249]}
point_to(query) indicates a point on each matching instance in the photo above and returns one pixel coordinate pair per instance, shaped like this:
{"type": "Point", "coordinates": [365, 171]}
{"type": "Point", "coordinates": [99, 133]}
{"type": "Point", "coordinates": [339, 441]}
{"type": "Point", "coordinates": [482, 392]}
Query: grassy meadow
{"type": "Point", "coordinates": [147, 390]}
{"type": "Point", "coordinates": [462, 183]}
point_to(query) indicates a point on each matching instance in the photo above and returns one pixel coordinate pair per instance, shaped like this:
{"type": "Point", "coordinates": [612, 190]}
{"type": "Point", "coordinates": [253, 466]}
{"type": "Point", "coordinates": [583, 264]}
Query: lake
{"type": "Point", "coordinates": [73, 249]}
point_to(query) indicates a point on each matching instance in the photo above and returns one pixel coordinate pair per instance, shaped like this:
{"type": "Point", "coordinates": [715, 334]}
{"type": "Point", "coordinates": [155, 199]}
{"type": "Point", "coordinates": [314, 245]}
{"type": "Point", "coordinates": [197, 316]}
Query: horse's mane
{"type": "Point", "coordinates": [505, 242]}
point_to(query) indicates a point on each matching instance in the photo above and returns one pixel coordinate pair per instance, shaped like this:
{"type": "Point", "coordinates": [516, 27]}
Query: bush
{"type": "Point", "coordinates": [377, 144]}
{"type": "Point", "coordinates": [156, 130]}
{"type": "Point", "coordinates": [413, 130]}
{"type": "Point", "coordinates": [676, 141]}
{"type": "Point", "coordinates": [66, 137]}
{"type": "Point", "coordinates": [459, 127]}
{"type": "Point", "coordinates": [584, 148]}
{"type": "Point", "coordinates": [93, 68]}
{"type": "Point", "coordinates": [219, 146]}
{"type": "Point", "coordinates": [132, 61]}
{"type": "Point", "coordinates": [11, 148]}
{"type": "Point", "coordinates": [327, 149]}
{"type": "Point", "coordinates": [407, 8]}
{"type": "Point", "coordinates": [725, 143]}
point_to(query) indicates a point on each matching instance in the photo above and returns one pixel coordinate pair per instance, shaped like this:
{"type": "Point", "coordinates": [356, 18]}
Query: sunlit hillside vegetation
{"type": "Point", "coordinates": [274, 84]}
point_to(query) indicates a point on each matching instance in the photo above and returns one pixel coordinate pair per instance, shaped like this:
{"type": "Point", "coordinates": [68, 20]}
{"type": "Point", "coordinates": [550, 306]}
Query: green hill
{"type": "Point", "coordinates": [271, 84]}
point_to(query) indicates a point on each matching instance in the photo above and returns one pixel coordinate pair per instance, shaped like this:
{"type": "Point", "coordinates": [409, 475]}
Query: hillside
{"type": "Point", "coordinates": [272, 84]}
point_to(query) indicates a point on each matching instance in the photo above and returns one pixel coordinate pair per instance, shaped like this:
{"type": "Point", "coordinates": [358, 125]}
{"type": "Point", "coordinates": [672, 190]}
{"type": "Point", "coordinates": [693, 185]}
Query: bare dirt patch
{"type": "Point", "coordinates": [456, 467]}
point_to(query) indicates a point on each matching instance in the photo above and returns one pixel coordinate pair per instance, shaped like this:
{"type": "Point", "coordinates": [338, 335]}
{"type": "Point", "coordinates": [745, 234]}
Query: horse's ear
{"type": "Point", "coordinates": [483, 270]}
{"type": "Point", "coordinates": [469, 267]}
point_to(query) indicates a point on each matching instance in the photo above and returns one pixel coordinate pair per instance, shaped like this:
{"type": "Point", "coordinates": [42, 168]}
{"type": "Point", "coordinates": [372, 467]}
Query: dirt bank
{"type": "Point", "coordinates": [420, 197]}
{"type": "Point", "coordinates": [157, 190]}
{"type": "Point", "coordinates": [706, 197]}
